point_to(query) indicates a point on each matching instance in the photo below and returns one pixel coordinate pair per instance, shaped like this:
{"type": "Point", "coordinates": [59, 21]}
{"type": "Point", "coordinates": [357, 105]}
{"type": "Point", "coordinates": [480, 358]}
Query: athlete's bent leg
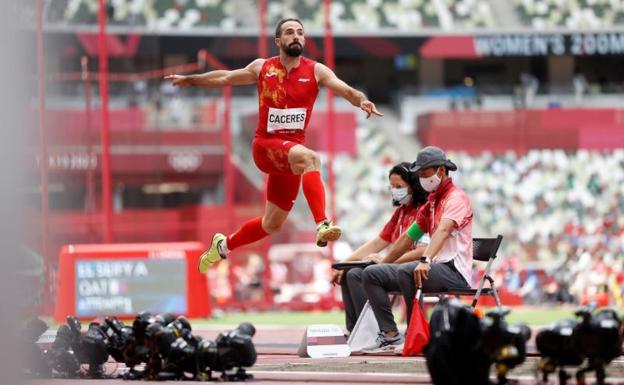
{"type": "Point", "coordinates": [250, 232]}
{"type": "Point", "coordinates": [274, 218]}
{"type": "Point", "coordinates": [314, 192]}
{"type": "Point", "coordinates": [282, 191]}
{"type": "Point", "coordinates": [307, 162]}
{"type": "Point", "coordinates": [303, 160]}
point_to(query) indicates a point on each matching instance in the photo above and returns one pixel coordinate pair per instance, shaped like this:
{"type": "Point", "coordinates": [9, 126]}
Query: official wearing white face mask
{"type": "Point", "coordinates": [400, 195]}
{"type": "Point", "coordinates": [407, 197]}
{"type": "Point", "coordinates": [447, 218]}
{"type": "Point", "coordinates": [432, 182]}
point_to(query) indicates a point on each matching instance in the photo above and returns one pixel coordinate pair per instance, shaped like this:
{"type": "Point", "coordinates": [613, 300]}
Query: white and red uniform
{"type": "Point", "coordinates": [285, 101]}
{"type": "Point", "coordinates": [401, 220]}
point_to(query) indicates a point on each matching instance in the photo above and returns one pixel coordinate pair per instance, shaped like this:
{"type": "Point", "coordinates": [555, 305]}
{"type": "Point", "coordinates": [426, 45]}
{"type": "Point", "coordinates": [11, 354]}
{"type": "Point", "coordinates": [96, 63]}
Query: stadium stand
{"type": "Point", "coordinates": [360, 185]}
{"type": "Point", "coordinates": [470, 13]}
{"type": "Point", "coordinates": [575, 14]}
{"type": "Point", "coordinates": [548, 197]}
{"type": "Point", "coordinates": [347, 15]}
{"type": "Point", "coordinates": [560, 210]}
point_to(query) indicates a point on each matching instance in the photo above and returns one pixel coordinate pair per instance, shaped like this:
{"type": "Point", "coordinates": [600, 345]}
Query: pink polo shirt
{"type": "Point", "coordinates": [458, 247]}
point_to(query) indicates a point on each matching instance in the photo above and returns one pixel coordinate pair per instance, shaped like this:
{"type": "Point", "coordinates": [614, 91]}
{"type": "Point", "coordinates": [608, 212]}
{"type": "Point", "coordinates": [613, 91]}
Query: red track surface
{"type": "Point", "coordinates": [278, 364]}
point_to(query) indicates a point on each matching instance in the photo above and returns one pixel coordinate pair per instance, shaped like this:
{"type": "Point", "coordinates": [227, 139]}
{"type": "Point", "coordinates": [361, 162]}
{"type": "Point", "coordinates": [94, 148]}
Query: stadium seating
{"type": "Point", "coordinates": [161, 14]}
{"type": "Point", "coordinates": [546, 197]}
{"type": "Point", "coordinates": [559, 210]}
{"type": "Point", "coordinates": [571, 14]}
{"type": "Point", "coordinates": [360, 185]}
{"type": "Point", "coordinates": [470, 13]}
{"type": "Point", "coordinates": [347, 15]}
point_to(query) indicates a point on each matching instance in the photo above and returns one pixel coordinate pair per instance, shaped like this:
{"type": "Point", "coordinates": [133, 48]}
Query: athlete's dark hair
{"type": "Point", "coordinates": [278, 29]}
{"type": "Point", "coordinates": [419, 195]}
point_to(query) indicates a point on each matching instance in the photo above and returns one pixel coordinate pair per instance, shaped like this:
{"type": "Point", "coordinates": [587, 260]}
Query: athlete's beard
{"type": "Point", "coordinates": [294, 49]}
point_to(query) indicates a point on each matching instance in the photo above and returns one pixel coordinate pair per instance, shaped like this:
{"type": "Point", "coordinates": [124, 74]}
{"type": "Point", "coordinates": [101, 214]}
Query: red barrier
{"type": "Point", "coordinates": [153, 153]}
{"type": "Point", "coordinates": [506, 298]}
{"type": "Point", "coordinates": [124, 279]}
{"type": "Point", "coordinates": [74, 121]}
{"type": "Point", "coordinates": [522, 130]}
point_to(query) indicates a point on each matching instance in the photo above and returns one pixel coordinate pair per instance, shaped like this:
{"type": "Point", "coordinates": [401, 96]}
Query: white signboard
{"type": "Point", "coordinates": [323, 341]}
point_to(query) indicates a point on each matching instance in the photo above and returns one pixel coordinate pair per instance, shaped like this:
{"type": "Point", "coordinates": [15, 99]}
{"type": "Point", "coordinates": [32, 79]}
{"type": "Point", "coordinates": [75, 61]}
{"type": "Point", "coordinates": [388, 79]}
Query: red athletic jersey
{"type": "Point", "coordinates": [286, 99]}
{"type": "Point", "coordinates": [401, 220]}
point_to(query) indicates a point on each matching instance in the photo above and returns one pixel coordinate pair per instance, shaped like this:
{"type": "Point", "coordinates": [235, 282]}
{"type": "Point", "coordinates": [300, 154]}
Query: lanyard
{"type": "Point", "coordinates": [401, 220]}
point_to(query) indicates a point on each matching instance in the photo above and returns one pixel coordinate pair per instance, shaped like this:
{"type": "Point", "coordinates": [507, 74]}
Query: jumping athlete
{"type": "Point", "coordinates": [288, 85]}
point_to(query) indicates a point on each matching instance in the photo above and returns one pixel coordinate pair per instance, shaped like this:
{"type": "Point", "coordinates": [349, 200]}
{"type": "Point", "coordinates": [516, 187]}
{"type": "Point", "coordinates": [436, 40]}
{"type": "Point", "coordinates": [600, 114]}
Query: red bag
{"type": "Point", "coordinates": [417, 336]}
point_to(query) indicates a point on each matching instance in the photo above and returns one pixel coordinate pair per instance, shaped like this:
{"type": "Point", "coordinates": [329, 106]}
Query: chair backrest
{"type": "Point", "coordinates": [484, 249]}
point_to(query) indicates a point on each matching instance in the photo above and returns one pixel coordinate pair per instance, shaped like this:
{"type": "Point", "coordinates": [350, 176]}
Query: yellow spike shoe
{"type": "Point", "coordinates": [212, 255]}
{"type": "Point", "coordinates": [326, 232]}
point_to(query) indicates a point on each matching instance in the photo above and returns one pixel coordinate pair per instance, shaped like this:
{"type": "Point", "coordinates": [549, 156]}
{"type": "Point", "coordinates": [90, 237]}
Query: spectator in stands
{"type": "Point", "coordinates": [447, 259]}
{"type": "Point", "coordinates": [531, 290]}
{"type": "Point", "coordinates": [407, 196]}
{"type": "Point", "coordinates": [579, 82]}
{"type": "Point", "coordinates": [565, 202]}
{"type": "Point", "coordinates": [530, 85]}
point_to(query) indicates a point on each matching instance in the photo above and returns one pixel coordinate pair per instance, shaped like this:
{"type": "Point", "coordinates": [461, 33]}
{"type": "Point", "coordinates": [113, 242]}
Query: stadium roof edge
{"type": "Point", "coordinates": [214, 31]}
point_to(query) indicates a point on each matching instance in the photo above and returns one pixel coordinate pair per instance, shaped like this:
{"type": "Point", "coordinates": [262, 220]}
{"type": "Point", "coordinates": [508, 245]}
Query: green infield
{"type": "Point", "coordinates": [529, 315]}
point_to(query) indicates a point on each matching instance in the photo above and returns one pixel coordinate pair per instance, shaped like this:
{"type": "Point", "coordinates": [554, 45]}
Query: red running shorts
{"type": "Point", "coordinates": [271, 157]}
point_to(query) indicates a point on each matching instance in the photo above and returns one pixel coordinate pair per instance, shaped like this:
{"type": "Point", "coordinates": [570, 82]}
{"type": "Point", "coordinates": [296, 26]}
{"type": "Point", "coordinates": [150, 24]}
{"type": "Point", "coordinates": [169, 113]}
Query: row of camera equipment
{"type": "Point", "coordinates": [463, 347]}
{"type": "Point", "coordinates": [155, 347]}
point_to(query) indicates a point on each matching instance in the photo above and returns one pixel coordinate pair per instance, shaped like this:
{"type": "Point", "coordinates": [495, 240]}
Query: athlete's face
{"type": "Point", "coordinates": [291, 41]}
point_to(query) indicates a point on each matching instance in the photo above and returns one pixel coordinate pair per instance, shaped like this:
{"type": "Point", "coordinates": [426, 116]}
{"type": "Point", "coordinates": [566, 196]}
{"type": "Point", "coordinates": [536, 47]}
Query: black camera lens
{"type": "Point", "coordinates": [247, 329]}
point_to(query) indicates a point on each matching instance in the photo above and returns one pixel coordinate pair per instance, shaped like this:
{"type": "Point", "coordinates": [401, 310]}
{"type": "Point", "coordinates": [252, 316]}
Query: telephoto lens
{"type": "Point", "coordinates": [236, 348]}
{"type": "Point", "coordinates": [247, 329]}
{"type": "Point", "coordinates": [61, 355]}
{"type": "Point", "coordinates": [182, 361]}
{"type": "Point", "coordinates": [504, 344]}
{"type": "Point", "coordinates": [34, 358]}
{"type": "Point", "coordinates": [555, 347]}
{"type": "Point", "coordinates": [454, 352]}
{"type": "Point", "coordinates": [94, 349]}
{"type": "Point", "coordinates": [124, 347]}
{"type": "Point", "coordinates": [139, 326]}
{"type": "Point", "coordinates": [598, 337]}
{"type": "Point", "coordinates": [33, 329]}
{"type": "Point", "coordinates": [159, 339]}
{"type": "Point", "coordinates": [231, 350]}
{"type": "Point", "coordinates": [171, 349]}
{"type": "Point", "coordinates": [120, 337]}
{"type": "Point", "coordinates": [140, 323]}
{"type": "Point", "coordinates": [164, 318]}
{"type": "Point", "coordinates": [180, 326]}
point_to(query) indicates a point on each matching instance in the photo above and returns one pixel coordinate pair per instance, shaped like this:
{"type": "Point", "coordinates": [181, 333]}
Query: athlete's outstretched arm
{"type": "Point", "coordinates": [328, 78]}
{"type": "Point", "coordinates": [220, 78]}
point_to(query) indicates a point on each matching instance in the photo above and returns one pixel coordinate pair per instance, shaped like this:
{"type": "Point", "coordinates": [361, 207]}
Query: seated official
{"type": "Point", "coordinates": [407, 196]}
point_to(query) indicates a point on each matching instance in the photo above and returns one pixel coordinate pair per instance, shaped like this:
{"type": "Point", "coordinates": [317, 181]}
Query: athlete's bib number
{"type": "Point", "coordinates": [286, 119]}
